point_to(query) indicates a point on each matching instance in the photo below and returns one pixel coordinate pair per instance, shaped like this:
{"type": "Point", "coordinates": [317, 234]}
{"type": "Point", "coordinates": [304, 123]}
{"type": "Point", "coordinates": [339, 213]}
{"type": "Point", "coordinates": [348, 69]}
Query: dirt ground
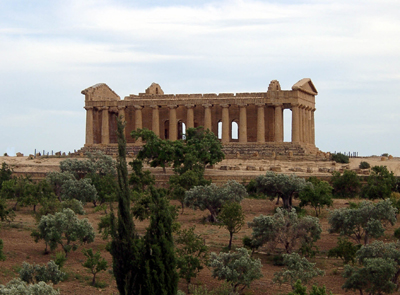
{"type": "Point", "coordinates": [19, 246]}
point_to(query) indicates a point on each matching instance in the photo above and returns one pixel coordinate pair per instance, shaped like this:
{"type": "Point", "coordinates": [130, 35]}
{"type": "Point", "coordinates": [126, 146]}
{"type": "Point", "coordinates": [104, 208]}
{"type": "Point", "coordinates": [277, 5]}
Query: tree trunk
{"type": "Point", "coordinates": [94, 280]}
{"type": "Point", "coordinates": [230, 240]}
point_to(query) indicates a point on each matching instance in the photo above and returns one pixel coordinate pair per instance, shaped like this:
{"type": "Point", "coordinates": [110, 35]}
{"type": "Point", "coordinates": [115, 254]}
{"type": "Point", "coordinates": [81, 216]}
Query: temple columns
{"type": "Point", "coordinates": [304, 125]}
{"type": "Point", "coordinates": [260, 123]}
{"type": "Point", "coordinates": [105, 128]}
{"type": "Point", "coordinates": [155, 125]}
{"type": "Point", "coordinates": [207, 116]}
{"type": "Point", "coordinates": [242, 123]}
{"type": "Point", "coordinates": [312, 127]}
{"type": "Point", "coordinates": [138, 120]}
{"type": "Point", "coordinates": [190, 116]}
{"type": "Point", "coordinates": [89, 125]}
{"type": "Point", "coordinates": [225, 123]}
{"type": "Point", "coordinates": [295, 124]}
{"type": "Point", "coordinates": [278, 124]}
{"type": "Point", "coordinates": [301, 127]}
{"type": "Point", "coordinates": [173, 124]}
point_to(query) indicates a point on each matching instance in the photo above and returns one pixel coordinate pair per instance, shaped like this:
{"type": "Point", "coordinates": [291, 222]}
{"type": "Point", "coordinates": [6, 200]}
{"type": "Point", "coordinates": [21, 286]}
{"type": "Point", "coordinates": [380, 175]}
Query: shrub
{"type": "Point", "coordinates": [364, 165]}
{"type": "Point", "coordinates": [18, 287]}
{"type": "Point", "coordinates": [34, 273]}
{"type": "Point", "coordinates": [340, 158]}
{"type": "Point", "coordinates": [344, 250]}
{"type": "Point", "coordinates": [347, 185]}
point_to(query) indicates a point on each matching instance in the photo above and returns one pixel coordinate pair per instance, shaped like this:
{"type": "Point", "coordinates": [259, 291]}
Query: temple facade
{"type": "Point", "coordinates": [244, 122]}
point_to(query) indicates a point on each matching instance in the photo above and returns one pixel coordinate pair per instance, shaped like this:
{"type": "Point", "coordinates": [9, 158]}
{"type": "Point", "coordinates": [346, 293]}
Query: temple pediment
{"type": "Point", "coordinates": [100, 92]}
{"type": "Point", "coordinates": [154, 89]}
{"type": "Point", "coordinates": [305, 85]}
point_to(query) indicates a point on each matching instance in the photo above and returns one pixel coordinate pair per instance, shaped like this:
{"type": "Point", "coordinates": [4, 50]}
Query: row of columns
{"type": "Point", "coordinates": [302, 122]}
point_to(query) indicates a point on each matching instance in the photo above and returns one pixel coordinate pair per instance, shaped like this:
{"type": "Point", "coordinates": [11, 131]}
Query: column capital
{"type": "Point", "coordinates": [260, 104]}
{"type": "Point", "coordinates": [154, 106]}
{"type": "Point", "coordinates": [225, 105]}
{"type": "Point", "coordinates": [207, 105]}
{"type": "Point", "coordinates": [172, 106]}
{"type": "Point", "coordinates": [189, 106]}
{"type": "Point", "coordinates": [103, 108]}
{"type": "Point", "coordinates": [295, 105]}
{"type": "Point", "coordinates": [121, 107]}
{"type": "Point", "coordinates": [241, 105]}
{"type": "Point", "coordinates": [138, 107]}
{"type": "Point", "coordinates": [88, 108]}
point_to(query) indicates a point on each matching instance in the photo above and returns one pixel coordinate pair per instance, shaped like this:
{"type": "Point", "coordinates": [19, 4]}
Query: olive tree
{"type": "Point", "coordinates": [281, 186]}
{"type": "Point", "coordinates": [366, 255]}
{"type": "Point", "coordinates": [82, 190]}
{"type": "Point", "coordinates": [380, 184]}
{"type": "Point", "coordinates": [237, 268]}
{"type": "Point", "coordinates": [366, 221]}
{"type": "Point", "coordinates": [212, 197]}
{"type": "Point", "coordinates": [296, 268]}
{"type": "Point", "coordinates": [286, 229]}
{"type": "Point", "coordinates": [65, 229]}
{"type": "Point", "coordinates": [18, 287]}
{"type": "Point", "coordinates": [346, 185]}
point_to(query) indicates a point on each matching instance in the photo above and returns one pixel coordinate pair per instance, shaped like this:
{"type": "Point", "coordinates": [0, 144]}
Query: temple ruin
{"type": "Point", "coordinates": [247, 124]}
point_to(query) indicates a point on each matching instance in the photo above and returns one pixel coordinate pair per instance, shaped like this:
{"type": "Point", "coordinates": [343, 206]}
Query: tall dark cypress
{"type": "Point", "coordinates": [159, 260]}
{"type": "Point", "coordinates": [124, 245]}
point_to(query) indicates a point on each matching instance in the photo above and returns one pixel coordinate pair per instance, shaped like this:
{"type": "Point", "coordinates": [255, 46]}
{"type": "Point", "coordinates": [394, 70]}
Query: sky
{"type": "Point", "coordinates": [51, 50]}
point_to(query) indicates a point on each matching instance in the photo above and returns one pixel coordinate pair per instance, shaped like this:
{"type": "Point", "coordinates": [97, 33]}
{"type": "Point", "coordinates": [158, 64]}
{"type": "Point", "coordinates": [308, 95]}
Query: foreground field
{"type": "Point", "coordinates": [19, 246]}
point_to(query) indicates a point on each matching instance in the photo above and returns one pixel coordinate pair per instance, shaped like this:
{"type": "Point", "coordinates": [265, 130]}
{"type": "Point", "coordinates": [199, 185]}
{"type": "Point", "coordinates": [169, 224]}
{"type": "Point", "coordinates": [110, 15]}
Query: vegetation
{"type": "Point", "coordinates": [64, 228]}
{"type": "Point", "coordinates": [380, 184]}
{"type": "Point", "coordinates": [340, 158]}
{"type": "Point", "coordinates": [285, 228]}
{"type": "Point", "coordinates": [237, 268]}
{"type": "Point", "coordinates": [296, 268]}
{"type": "Point", "coordinates": [365, 222]}
{"type": "Point", "coordinates": [299, 289]}
{"type": "Point", "coordinates": [192, 254]}
{"type": "Point", "coordinates": [347, 185]}
{"type": "Point", "coordinates": [94, 263]}
{"type": "Point", "coordinates": [282, 186]}
{"type": "Point", "coordinates": [316, 195]}
{"type": "Point", "coordinates": [17, 287]}
{"type": "Point", "coordinates": [34, 273]}
{"type": "Point", "coordinates": [232, 217]}
{"type": "Point", "coordinates": [364, 165]}
{"type": "Point", "coordinates": [344, 250]}
{"type": "Point", "coordinates": [212, 197]}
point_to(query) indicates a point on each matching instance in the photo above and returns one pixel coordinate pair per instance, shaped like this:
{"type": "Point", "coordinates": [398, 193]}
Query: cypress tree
{"type": "Point", "coordinates": [124, 245]}
{"type": "Point", "coordinates": [159, 260]}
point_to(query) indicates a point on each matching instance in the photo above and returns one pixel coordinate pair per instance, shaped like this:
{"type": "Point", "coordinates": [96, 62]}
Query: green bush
{"type": "Point", "coordinates": [397, 233]}
{"type": "Point", "coordinates": [364, 165]}
{"type": "Point", "coordinates": [277, 260]}
{"type": "Point", "coordinates": [340, 158]}
{"type": "Point", "coordinates": [344, 250]}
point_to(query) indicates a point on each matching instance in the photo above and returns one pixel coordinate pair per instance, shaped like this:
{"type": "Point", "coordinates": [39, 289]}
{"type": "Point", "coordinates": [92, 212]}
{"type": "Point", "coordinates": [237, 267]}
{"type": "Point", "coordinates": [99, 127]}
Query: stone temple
{"type": "Point", "coordinates": [248, 124]}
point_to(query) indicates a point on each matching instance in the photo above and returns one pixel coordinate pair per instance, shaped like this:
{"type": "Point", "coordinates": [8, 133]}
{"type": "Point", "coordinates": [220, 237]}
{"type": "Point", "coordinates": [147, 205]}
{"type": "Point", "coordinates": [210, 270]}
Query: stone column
{"type": "Point", "coordinates": [105, 128]}
{"type": "Point", "coordinates": [304, 125]}
{"type": "Point", "coordinates": [278, 124]}
{"type": "Point", "coordinates": [155, 124]}
{"type": "Point", "coordinates": [225, 123]}
{"type": "Point", "coordinates": [295, 124]}
{"type": "Point", "coordinates": [138, 120]}
{"type": "Point", "coordinates": [242, 123]}
{"type": "Point", "coordinates": [173, 124]}
{"type": "Point", "coordinates": [207, 116]}
{"type": "Point", "coordinates": [308, 126]}
{"type": "Point", "coordinates": [89, 125]}
{"type": "Point", "coordinates": [312, 127]}
{"type": "Point", "coordinates": [190, 116]}
{"type": "Point", "coordinates": [260, 122]}
{"type": "Point", "coordinates": [301, 124]}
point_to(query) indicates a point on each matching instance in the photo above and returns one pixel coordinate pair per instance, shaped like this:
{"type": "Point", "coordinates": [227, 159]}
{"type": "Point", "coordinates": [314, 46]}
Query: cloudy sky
{"type": "Point", "coordinates": [51, 50]}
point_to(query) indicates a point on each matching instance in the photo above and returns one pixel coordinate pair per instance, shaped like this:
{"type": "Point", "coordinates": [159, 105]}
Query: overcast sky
{"type": "Point", "coordinates": [51, 50]}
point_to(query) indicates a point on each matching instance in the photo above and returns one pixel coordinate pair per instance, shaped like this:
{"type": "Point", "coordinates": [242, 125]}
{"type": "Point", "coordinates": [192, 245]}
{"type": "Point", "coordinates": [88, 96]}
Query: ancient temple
{"type": "Point", "coordinates": [246, 123]}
